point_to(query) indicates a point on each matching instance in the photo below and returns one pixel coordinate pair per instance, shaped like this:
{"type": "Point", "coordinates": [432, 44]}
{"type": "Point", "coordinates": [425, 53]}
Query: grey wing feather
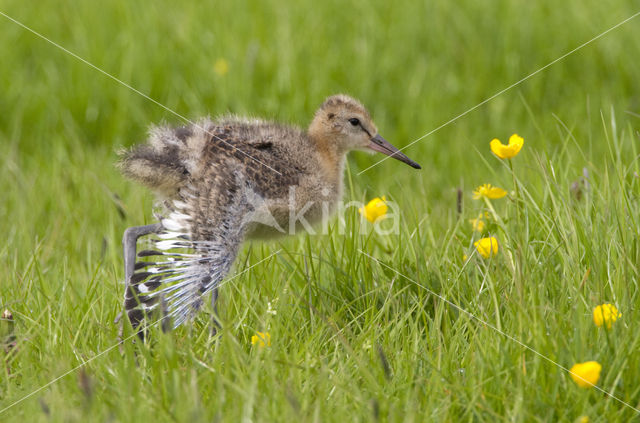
{"type": "Point", "coordinates": [190, 257]}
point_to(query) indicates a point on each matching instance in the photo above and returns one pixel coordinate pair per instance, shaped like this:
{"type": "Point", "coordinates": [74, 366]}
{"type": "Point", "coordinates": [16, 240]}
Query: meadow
{"type": "Point", "coordinates": [412, 326]}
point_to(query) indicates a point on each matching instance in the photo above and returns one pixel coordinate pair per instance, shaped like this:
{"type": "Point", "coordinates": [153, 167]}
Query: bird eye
{"type": "Point", "coordinates": [354, 121]}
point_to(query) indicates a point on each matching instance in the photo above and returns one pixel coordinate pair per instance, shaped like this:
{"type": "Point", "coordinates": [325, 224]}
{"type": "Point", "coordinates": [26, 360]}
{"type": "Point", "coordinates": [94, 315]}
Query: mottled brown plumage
{"type": "Point", "coordinates": [221, 181]}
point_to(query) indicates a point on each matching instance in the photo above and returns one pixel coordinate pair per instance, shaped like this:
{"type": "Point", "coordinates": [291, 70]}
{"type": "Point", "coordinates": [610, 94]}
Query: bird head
{"type": "Point", "coordinates": [344, 124]}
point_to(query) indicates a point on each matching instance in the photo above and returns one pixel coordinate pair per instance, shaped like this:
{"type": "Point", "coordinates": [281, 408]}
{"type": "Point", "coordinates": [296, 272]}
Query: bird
{"type": "Point", "coordinates": [219, 182]}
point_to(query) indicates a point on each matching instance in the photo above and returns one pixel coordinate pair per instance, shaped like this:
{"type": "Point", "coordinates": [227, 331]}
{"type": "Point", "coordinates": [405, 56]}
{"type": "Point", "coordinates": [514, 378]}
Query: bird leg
{"type": "Point", "coordinates": [214, 304]}
{"type": "Point", "coordinates": [129, 241]}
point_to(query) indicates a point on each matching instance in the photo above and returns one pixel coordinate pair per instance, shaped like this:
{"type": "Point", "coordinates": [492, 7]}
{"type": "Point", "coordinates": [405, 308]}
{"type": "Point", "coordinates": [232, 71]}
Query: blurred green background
{"type": "Point", "coordinates": [415, 65]}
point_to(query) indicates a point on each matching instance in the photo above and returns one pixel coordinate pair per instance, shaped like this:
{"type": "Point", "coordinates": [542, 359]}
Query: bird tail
{"type": "Point", "coordinates": [155, 170]}
{"type": "Point", "coordinates": [165, 163]}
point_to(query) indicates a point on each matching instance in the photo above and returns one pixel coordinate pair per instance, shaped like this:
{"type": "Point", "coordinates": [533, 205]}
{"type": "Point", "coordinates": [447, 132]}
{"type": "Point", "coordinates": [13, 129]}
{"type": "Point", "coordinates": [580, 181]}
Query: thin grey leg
{"type": "Point", "coordinates": [166, 321]}
{"type": "Point", "coordinates": [214, 304]}
{"type": "Point", "coordinates": [129, 241]}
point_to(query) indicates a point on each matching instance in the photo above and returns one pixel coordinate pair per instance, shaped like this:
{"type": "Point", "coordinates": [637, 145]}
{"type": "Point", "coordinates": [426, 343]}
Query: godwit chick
{"type": "Point", "coordinates": [222, 181]}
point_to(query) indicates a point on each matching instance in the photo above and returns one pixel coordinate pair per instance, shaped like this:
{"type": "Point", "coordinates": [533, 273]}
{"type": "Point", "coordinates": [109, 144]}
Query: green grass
{"type": "Point", "coordinates": [352, 339]}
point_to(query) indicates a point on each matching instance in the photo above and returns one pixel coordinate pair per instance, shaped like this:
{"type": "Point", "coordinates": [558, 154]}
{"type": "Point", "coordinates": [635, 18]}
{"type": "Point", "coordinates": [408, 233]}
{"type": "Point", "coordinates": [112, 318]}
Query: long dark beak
{"type": "Point", "coordinates": [383, 146]}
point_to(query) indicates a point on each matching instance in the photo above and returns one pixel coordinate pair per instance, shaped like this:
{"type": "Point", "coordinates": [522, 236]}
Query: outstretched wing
{"type": "Point", "coordinates": [202, 230]}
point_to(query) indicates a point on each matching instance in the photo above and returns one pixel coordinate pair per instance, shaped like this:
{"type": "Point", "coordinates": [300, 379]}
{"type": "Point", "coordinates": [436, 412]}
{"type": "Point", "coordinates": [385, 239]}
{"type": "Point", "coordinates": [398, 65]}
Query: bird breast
{"type": "Point", "coordinates": [302, 210]}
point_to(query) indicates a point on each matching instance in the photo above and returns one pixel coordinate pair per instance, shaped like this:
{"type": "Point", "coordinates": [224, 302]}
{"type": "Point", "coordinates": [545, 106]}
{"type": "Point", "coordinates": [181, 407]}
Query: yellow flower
{"type": "Point", "coordinates": [605, 314]}
{"type": "Point", "coordinates": [221, 67]}
{"type": "Point", "coordinates": [375, 209]}
{"type": "Point", "coordinates": [487, 247]}
{"type": "Point", "coordinates": [489, 192]}
{"type": "Point", "coordinates": [478, 224]}
{"type": "Point", "coordinates": [586, 374]}
{"type": "Point", "coordinates": [263, 339]}
{"type": "Point", "coordinates": [507, 151]}
{"type": "Point", "coordinates": [582, 419]}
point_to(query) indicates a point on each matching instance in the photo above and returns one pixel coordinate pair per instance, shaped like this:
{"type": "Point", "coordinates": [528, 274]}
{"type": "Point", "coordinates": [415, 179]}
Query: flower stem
{"type": "Point", "coordinates": [519, 236]}
{"type": "Point", "coordinates": [503, 228]}
{"type": "Point", "coordinates": [516, 189]}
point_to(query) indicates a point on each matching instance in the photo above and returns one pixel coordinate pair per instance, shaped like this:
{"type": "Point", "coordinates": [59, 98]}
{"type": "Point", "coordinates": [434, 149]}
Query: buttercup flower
{"type": "Point", "coordinates": [586, 374]}
{"type": "Point", "coordinates": [375, 209]}
{"type": "Point", "coordinates": [263, 339]}
{"type": "Point", "coordinates": [489, 192]}
{"type": "Point", "coordinates": [487, 247]}
{"type": "Point", "coordinates": [221, 67]}
{"type": "Point", "coordinates": [507, 151]}
{"type": "Point", "coordinates": [605, 314]}
{"type": "Point", "coordinates": [479, 223]}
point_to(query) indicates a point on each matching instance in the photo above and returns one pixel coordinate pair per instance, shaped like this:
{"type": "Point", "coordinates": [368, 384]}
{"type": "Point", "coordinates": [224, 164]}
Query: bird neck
{"type": "Point", "coordinates": [331, 159]}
